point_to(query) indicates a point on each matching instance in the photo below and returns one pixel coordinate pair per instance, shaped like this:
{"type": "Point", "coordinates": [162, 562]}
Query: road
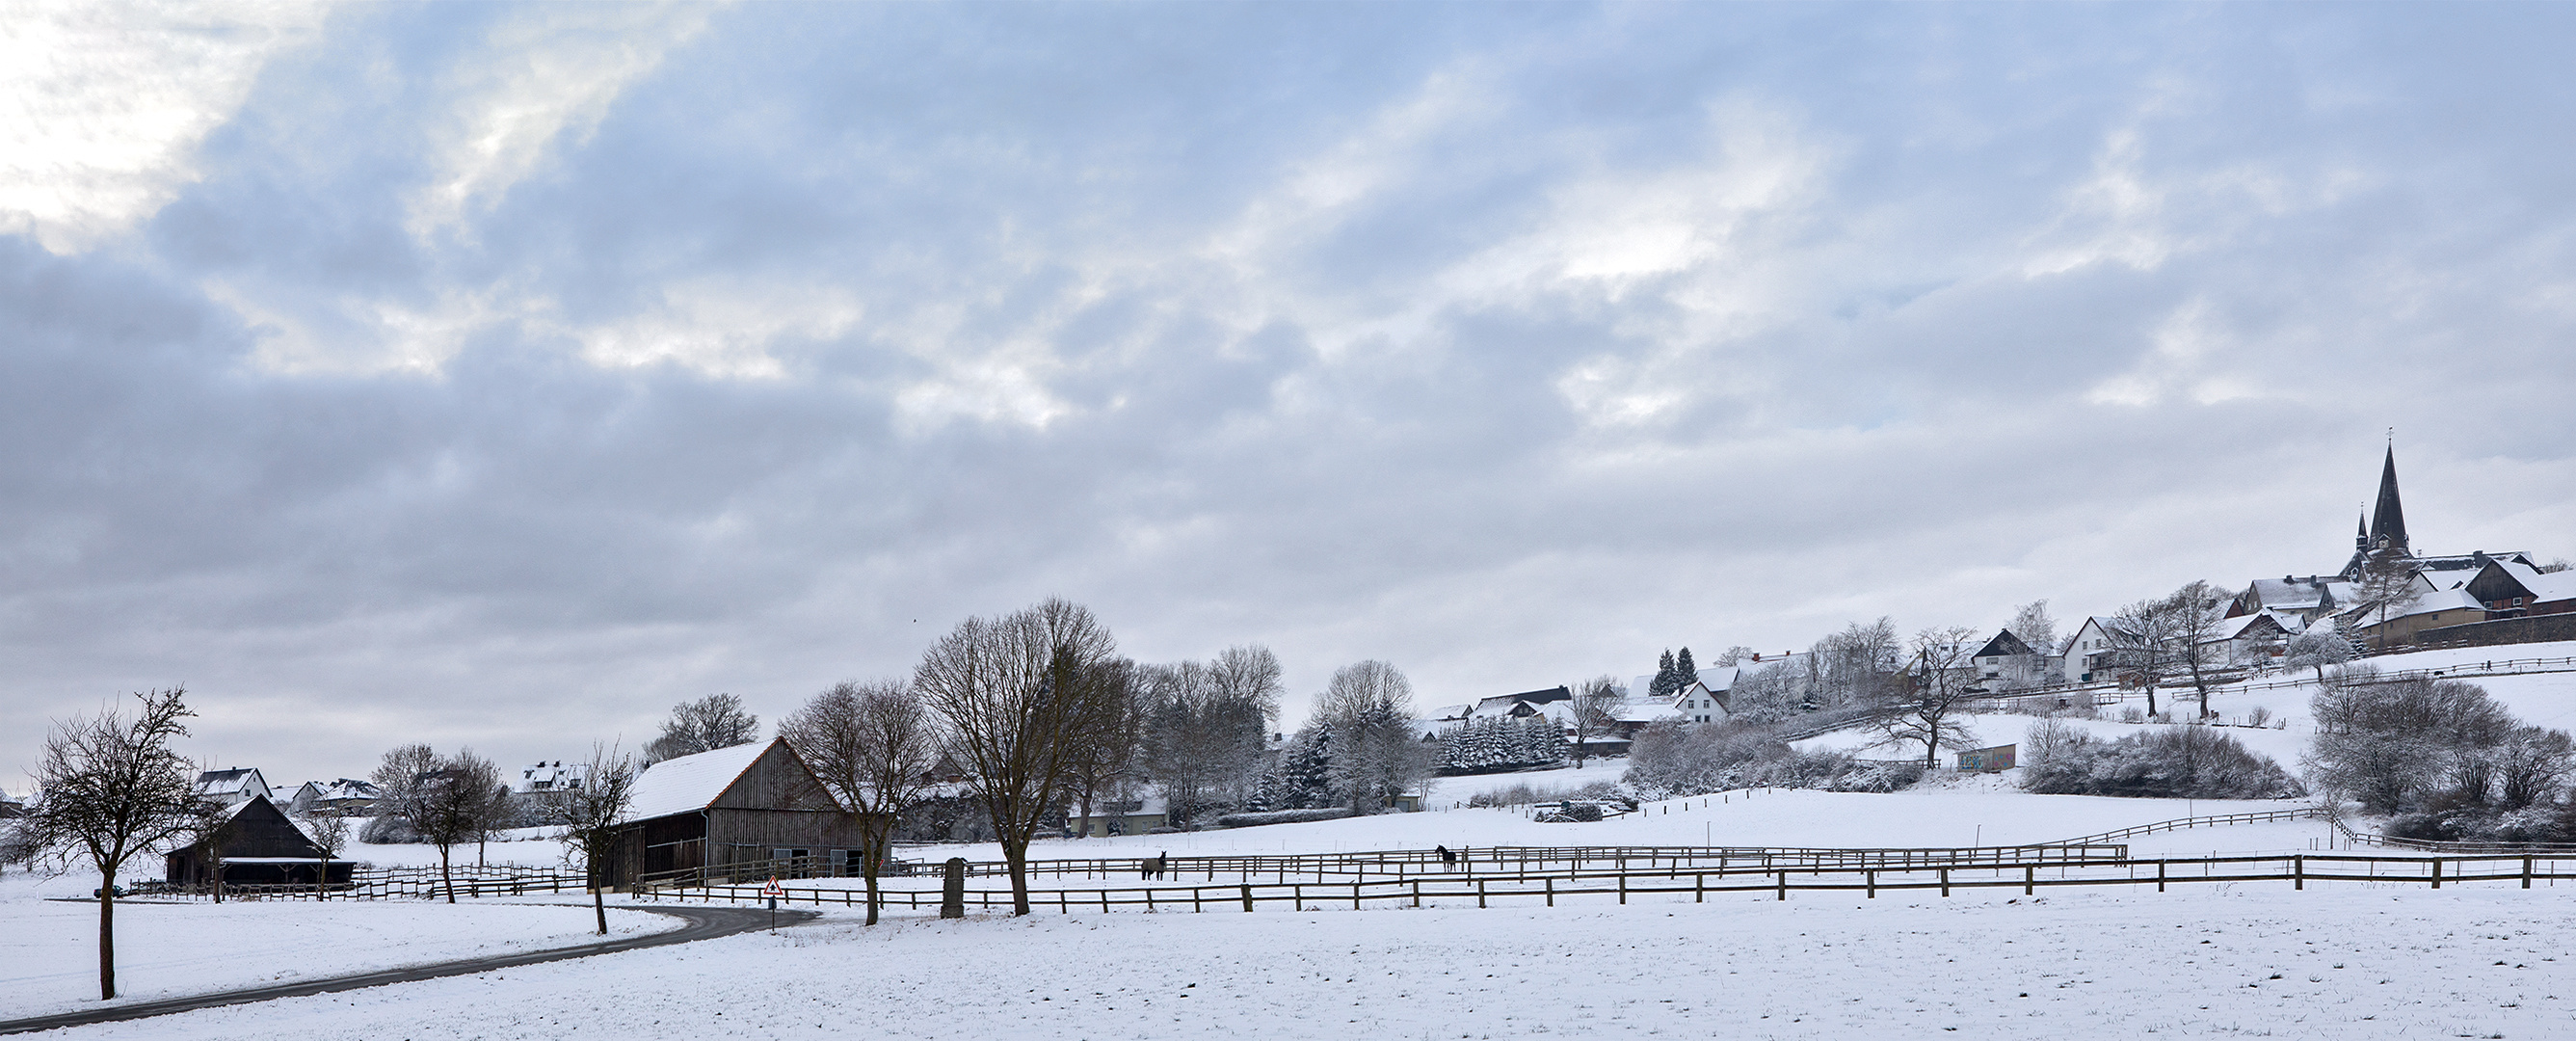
{"type": "Point", "coordinates": [703, 923]}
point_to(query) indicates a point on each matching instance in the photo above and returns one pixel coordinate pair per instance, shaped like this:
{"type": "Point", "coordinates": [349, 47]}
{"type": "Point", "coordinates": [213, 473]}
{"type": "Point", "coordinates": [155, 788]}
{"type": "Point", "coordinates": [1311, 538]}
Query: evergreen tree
{"type": "Point", "coordinates": [1684, 672]}
{"type": "Point", "coordinates": [1662, 686]}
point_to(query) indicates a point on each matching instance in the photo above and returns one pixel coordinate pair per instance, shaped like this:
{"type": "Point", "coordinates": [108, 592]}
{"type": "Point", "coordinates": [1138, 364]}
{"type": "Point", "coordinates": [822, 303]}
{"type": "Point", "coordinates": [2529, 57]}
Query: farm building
{"type": "Point", "coordinates": [256, 846]}
{"type": "Point", "coordinates": [746, 805]}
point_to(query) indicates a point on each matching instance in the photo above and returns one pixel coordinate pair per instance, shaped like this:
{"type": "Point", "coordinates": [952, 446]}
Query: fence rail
{"type": "Point", "coordinates": [1518, 860]}
{"type": "Point", "coordinates": [1699, 883]}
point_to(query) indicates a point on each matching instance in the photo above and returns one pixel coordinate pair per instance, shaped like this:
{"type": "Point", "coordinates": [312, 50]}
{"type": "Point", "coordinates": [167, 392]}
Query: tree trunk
{"type": "Point", "coordinates": [107, 935]}
{"type": "Point", "coordinates": [445, 875]}
{"type": "Point", "coordinates": [1015, 850]}
{"type": "Point", "coordinates": [599, 906]}
{"type": "Point", "coordinates": [2151, 698]}
{"type": "Point", "coordinates": [874, 841]}
{"type": "Point", "coordinates": [321, 874]}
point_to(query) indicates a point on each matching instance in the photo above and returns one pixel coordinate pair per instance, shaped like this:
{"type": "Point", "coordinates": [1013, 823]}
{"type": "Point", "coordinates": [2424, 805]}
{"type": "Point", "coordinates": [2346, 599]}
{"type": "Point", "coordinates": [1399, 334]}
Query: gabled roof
{"type": "Point", "coordinates": [692, 782]}
{"type": "Point", "coordinates": [2004, 645]}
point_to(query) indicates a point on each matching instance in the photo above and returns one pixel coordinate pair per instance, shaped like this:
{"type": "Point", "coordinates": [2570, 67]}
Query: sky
{"type": "Point", "coordinates": [499, 376]}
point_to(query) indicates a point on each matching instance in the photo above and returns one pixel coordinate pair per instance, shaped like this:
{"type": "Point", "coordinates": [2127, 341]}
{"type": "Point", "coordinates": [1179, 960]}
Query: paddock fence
{"type": "Point", "coordinates": [1546, 888]}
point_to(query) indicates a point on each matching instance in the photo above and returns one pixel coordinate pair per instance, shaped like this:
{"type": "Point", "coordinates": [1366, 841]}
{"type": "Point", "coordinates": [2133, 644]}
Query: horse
{"type": "Point", "coordinates": [1154, 864]}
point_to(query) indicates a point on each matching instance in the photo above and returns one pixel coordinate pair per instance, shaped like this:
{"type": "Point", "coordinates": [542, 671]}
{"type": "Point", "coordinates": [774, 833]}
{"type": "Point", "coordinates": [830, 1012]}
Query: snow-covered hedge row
{"type": "Point", "coordinates": [1247, 820]}
{"type": "Point", "coordinates": [2188, 762]}
{"type": "Point", "coordinates": [1676, 759]}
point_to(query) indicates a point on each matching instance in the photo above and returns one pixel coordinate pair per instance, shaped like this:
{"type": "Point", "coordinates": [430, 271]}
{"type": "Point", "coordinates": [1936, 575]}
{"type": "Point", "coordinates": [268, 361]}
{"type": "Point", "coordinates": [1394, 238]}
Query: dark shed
{"type": "Point", "coordinates": [258, 846]}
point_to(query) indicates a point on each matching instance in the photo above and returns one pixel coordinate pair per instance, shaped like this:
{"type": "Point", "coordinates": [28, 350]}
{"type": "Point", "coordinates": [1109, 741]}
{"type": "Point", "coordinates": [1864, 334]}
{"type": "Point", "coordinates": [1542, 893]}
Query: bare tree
{"type": "Point", "coordinates": [456, 802]}
{"type": "Point", "coordinates": [2032, 623]}
{"type": "Point", "coordinates": [590, 815]}
{"type": "Point", "coordinates": [873, 745]}
{"type": "Point", "coordinates": [1594, 715]}
{"type": "Point", "coordinates": [2199, 613]}
{"type": "Point", "coordinates": [205, 837]}
{"type": "Point", "coordinates": [1945, 678]}
{"type": "Point", "coordinates": [1018, 693]}
{"type": "Point", "coordinates": [398, 791]}
{"type": "Point", "coordinates": [2531, 764]}
{"type": "Point", "coordinates": [114, 790]}
{"type": "Point", "coordinates": [709, 723]}
{"type": "Point", "coordinates": [2144, 641]}
{"type": "Point", "coordinates": [329, 833]}
{"type": "Point", "coordinates": [1368, 707]}
{"type": "Point", "coordinates": [1103, 757]}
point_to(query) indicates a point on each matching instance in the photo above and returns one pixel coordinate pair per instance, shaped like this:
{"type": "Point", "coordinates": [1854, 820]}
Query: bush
{"type": "Point", "coordinates": [2165, 763]}
{"type": "Point", "coordinates": [1676, 759]}
{"type": "Point", "coordinates": [1526, 794]}
{"type": "Point", "coordinates": [1250, 820]}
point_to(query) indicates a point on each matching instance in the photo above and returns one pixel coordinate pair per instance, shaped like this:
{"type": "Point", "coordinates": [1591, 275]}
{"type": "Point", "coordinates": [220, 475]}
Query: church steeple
{"type": "Point", "coordinates": [2388, 518]}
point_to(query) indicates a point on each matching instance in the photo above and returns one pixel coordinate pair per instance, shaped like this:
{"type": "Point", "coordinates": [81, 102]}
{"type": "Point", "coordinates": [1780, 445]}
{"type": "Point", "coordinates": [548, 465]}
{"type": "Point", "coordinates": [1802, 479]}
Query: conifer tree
{"type": "Point", "coordinates": [1684, 672]}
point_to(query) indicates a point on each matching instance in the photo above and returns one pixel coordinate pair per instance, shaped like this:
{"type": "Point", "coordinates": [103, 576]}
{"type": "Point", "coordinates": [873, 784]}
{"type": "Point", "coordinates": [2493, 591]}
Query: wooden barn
{"type": "Point", "coordinates": [257, 846]}
{"type": "Point", "coordinates": [747, 806]}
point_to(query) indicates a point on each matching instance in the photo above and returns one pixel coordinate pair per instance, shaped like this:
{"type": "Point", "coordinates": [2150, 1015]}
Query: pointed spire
{"type": "Point", "coordinates": [2388, 518]}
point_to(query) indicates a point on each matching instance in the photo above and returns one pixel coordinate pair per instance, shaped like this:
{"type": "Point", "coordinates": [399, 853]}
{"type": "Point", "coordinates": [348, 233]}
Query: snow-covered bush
{"type": "Point", "coordinates": [1676, 759]}
{"type": "Point", "coordinates": [1527, 794]}
{"type": "Point", "coordinates": [2167, 762]}
{"type": "Point", "coordinates": [1304, 816]}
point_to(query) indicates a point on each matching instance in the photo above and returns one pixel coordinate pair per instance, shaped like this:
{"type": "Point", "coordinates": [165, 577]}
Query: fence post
{"type": "Point", "coordinates": [1417, 892]}
{"type": "Point", "coordinates": [1480, 892]}
{"type": "Point", "coordinates": [2437, 872]}
{"type": "Point", "coordinates": [2526, 872]}
{"type": "Point", "coordinates": [1355, 896]}
{"type": "Point", "coordinates": [1873, 883]}
{"type": "Point", "coordinates": [2298, 872]}
{"type": "Point", "coordinates": [2160, 876]}
{"type": "Point", "coordinates": [2029, 878]}
{"type": "Point", "coordinates": [1784, 883]}
{"type": "Point", "coordinates": [1551, 893]}
{"type": "Point", "coordinates": [1699, 888]}
{"type": "Point", "coordinates": [1247, 898]}
{"type": "Point", "coordinates": [1945, 881]}
{"type": "Point", "coordinates": [1623, 887]}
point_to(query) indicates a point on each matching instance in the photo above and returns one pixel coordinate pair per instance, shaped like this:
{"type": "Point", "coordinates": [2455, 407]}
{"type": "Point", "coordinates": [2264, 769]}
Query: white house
{"type": "Point", "coordinates": [233, 787]}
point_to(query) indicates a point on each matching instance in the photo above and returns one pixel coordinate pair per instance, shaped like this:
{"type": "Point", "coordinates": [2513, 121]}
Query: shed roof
{"type": "Point", "coordinates": [692, 782]}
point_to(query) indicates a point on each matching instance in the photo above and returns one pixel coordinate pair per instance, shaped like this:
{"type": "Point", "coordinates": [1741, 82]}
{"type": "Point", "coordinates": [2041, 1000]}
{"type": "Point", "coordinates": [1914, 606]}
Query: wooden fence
{"type": "Point", "coordinates": [1547, 887]}
{"type": "Point", "coordinates": [1519, 860]}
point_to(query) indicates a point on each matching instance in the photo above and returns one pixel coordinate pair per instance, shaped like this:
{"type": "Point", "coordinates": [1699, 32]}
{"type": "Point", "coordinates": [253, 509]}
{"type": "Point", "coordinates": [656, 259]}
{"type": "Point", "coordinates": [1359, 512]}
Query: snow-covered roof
{"type": "Point", "coordinates": [2443, 600]}
{"type": "Point", "coordinates": [1720, 678]}
{"type": "Point", "coordinates": [1641, 711]}
{"type": "Point", "coordinates": [1451, 713]}
{"type": "Point", "coordinates": [691, 782]}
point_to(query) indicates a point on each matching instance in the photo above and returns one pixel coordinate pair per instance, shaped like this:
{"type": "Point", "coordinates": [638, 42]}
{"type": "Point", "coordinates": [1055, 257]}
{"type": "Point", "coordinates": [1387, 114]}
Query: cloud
{"type": "Point", "coordinates": [544, 75]}
{"type": "Point", "coordinates": [103, 106]}
{"type": "Point", "coordinates": [504, 375]}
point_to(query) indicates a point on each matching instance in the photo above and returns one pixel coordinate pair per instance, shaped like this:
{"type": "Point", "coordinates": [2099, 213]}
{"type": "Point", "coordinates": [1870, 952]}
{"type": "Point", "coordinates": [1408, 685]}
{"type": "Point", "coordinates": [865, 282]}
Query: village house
{"type": "Point", "coordinates": [232, 787]}
{"type": "Point", "coordinates": [1118, 817]}
{"type": "Point", "coordinates": [2515, 589]}
{"type": "Point", "coordinates": [344, 797]}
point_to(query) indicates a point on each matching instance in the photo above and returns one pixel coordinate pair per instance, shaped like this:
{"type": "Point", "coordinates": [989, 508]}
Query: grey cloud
{"type": "Point", "coordinates": [1337, 439]}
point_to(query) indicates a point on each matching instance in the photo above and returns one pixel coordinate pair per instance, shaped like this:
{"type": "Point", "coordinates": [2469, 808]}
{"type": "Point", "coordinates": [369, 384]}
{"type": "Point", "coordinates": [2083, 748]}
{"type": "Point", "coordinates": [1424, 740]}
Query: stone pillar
{"type": "Point", "coordinates": [952, 889]}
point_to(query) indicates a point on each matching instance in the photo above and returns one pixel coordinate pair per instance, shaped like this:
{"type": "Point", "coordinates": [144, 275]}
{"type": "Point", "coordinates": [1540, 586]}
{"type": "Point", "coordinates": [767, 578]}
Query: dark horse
{"type": "Point", "coordinates": [1154, 864]}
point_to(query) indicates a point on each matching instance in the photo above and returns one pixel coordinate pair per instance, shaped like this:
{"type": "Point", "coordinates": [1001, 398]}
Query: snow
{"type": "Point", "coordinates": [2346, 960]}
{"type": "Point", "coordinates": [50, 962]}
{"type": "Point", "coordinates": [2354, 962]}
{"type": "Point", "coordinates": [691, 782]}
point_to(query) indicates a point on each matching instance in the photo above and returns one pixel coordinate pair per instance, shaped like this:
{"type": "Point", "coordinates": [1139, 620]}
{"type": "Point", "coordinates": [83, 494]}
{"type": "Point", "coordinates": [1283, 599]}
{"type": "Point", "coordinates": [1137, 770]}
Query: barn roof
{"type": "Point", "coordinates": [691, 782]}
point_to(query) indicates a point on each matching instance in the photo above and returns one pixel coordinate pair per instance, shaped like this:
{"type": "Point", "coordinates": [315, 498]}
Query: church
{"type": "Point", "coordinates": [2386, 530]}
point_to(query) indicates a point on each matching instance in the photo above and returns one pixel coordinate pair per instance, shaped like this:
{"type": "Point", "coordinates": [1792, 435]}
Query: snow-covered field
{"type": "Point", "coordinates": [2338, 960]}
{"type": "Point", "coordinates": [49, 958]}
{"type": "Point", "coordinates": [2354, 962]}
